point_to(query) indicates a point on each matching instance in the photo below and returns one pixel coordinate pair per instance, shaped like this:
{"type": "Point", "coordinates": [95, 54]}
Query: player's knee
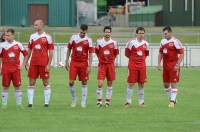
{"type": "Point", "coordinates": [84, 82]}
{"type": "Point", "coordinates": [166, 86]}
{"type": "Point", "coordinates": [17, 86]}
{"type": "Point", "coordinates": [6, 86]}
{"type": "Point", "coordinates": [71, 83]}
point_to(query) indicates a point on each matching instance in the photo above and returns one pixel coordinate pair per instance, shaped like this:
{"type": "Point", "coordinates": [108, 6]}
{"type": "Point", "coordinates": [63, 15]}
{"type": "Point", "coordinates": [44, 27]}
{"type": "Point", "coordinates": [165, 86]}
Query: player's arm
{"type": "Point", "coordinates": [147, 50]}
{"type": "Point", "coordinates": [48, 67]}
{"type": "Point", "coordinates": [67, 58]}
{"type": "Point", "coordinates": [0, 65]}
{"type": "Point", "coordinates": [96, 49]}
{"type": "Point", "coordinates": [90, 61]}
{"type": "Point", "coordinates": [91, 51]}
{"type": "Point", "coordinates": [25, 54]}
{"type": "Point", "coordinates": [127, 50]}
{"type": "Point", "coordinates": [116, 50]}
{"type": "Point", "coordinates": [160, 57]}
{"type": "Point", "coordinates": [180, 51]}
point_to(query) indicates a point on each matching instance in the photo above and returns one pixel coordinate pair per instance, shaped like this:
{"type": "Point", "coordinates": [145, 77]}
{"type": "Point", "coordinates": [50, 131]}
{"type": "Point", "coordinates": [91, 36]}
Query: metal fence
{"type": "Point", "coordinates": [191, 58]}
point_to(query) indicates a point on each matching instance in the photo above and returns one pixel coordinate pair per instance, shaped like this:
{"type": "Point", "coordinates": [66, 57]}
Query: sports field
{"type": "Point", "coordinates": [155, 117]}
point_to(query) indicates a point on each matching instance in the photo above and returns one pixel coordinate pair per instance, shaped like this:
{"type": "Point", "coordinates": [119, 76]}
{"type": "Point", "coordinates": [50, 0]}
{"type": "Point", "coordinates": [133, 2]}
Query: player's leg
{"type": "Point", "coordinates": [141, 94]}
{"type": "Point", "coordinates": [84, 94]}
{"type": "Point", "coordinates": [16, 79]}
{"type": "Point", "coordinates": [33, 74]}
{"type": "Point", "coordinates": [132, 79]}
{"type": "Point", "coordinates": [141, 79]}
{"type": "Point", "coordinates": [108, 93]}
{"type": "Point", "coordinates": [99, 93]}
{"type": "Point", "coordinates": [110, 78]}
{"type": "Point", "coordinates": [6, 79]}
{"type": "Point", "coordinates": [174, 78]}
{"type": "Point", "coordinates": [47, 88]}
{"type": "Point", "coordinates": [72, 78]}
{"type": "Point", "coordinates": [83, 77]}
{"type": "Point", "coordinates": [47, 91]}
{"type": "Point", "coordinates": [166, 83]}
{"type": "Point", "coordinates": [101, 76]}
{"type": "Point", "coordinates": [174, 91]}
{"type": "Point", "coordinates": [130, 90]}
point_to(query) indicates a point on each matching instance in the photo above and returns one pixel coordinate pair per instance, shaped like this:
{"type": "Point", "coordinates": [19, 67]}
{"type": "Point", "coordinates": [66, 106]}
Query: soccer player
{"type": "Point", "coordinates": [136, 51]}
{"type": "Point", "coordinates": [81, 46]}
{"type": "Point", "coordinates": [40, 48]}
{"type": "Point", "coordinates": [172, 53]}
{"type": "Point", "coordinates": [106, 50]}
{"type": "Point", "coordinates": [10, 69]}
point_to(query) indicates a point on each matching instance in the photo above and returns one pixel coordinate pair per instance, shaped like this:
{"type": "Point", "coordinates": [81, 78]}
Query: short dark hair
{"type": "Point", "coordinates": [107, 27]}
{"type": "Point", "coordinates": [167, 28]}
{"type": "Point", "coordinates": [10, 30]}
{"type": "Point", "coordinates": [1, 38]}
{"type": "Point", "coordinates": [84, 27]}
{"type": "Point", "coordinates": [140, 29]}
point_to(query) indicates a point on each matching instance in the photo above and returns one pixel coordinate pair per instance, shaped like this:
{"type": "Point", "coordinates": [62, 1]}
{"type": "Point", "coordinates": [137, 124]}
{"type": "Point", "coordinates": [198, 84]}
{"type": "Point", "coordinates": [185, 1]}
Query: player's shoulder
{"type": "Point", "coordinates": [3, 44]}
{"type": "Point", "coordinates": [163, 41]}
{"type": "Point", "coordinates": [74, 36]}
{"type": "Point", "coordinates": [133, 40]}
{"type": "Point", "coordinates": [17, 42]}
{"type": "Point", "coordinates": [114, 41]}
{"type": "Point", "coordinates": [176, 40]}
{"type": "Point", "coordinates": [99, 39]}
{"type": "Point", "coordinates": [146, 42]}
{"type": "Point", "coordinates": [88, 38]}
{"type": "Point", "coordinates": [33, 35]}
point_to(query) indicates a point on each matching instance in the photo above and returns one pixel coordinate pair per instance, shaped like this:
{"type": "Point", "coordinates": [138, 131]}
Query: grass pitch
{"type": "Point", "coordinates": [59, 117]}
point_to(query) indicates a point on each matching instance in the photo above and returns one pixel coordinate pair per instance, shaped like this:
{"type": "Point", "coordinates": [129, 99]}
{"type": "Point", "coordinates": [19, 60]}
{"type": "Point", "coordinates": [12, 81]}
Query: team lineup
{"type": "Point", "coordinates": [79, 61]}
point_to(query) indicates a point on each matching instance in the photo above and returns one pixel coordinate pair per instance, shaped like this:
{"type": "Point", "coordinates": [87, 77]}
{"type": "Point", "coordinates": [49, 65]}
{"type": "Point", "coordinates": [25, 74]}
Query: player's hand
{"type": "Point", "coordinates": [176, 67]}
{"type": "Point", "coordinates": [21, 67]}
{"type": "Point", "coordinates": [0, 72]}
{"type": "Point", "coordinates": [159, 67]}
{"type": "Point", "coordinates": [47, 68]}
{"type": "Point", "coordinates": [67, 65]}
{"type": "Point", "coordinates": [88, 69]}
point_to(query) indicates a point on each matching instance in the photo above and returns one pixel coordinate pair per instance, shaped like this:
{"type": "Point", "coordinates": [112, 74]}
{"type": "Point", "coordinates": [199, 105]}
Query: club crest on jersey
{"type": "Point", "coordinates": [165, 51]}
{"type": "Point", "coordinates": [37, 46]}
{"type": "Point", "coordinates": [106, 52]}
{"type": "Point", "coordinates": [139, 53]}
{"type": "Point", "coordinates": [11, 54]}
{"type": "Point", "coordinates": [79, 49]}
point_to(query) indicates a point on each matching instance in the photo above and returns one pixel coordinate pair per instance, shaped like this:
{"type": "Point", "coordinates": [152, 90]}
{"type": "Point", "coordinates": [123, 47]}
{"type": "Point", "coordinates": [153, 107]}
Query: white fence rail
{"type": "Point", "coordinates": [191, 58]}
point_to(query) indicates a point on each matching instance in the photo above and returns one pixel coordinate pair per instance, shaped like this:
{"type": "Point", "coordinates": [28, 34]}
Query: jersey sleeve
{"type": "Point", "coordinates": [97, 48]}
{"type": "Point", "coordinates": [91, 47]}
{"type": "Point", "coordinates": [22, 49]}
{"type": "Point", "coordinates": [50, 42]}
{"type": "Point", "coordinates": [179, 47]}
{"type": "Point", "coordinates": [116, 49]}
{"type": "Point", "coordinates": [30, 43]}
{"type": "Point", "coordinates": [147, 49]}
{"type": "Point", "coordinates": [161, 47]}
{"type": "Point", "coordinates": [70, 43]}
{"type": "Point", "coordinates": [128, 49]}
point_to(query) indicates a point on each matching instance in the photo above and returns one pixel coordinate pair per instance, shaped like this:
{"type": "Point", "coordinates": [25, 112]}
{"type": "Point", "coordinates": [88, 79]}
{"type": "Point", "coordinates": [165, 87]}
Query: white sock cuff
{"type": "Point", "coordinates": [109, 88]}
{"type": "Point", "coordinates": [84, 86]}
{"type": "Point", "coordinates": [31, 87]}
{"type": "Point", "coordinates": [174, 90]}
{"type": "Point", "coordinates": [47, 87]}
